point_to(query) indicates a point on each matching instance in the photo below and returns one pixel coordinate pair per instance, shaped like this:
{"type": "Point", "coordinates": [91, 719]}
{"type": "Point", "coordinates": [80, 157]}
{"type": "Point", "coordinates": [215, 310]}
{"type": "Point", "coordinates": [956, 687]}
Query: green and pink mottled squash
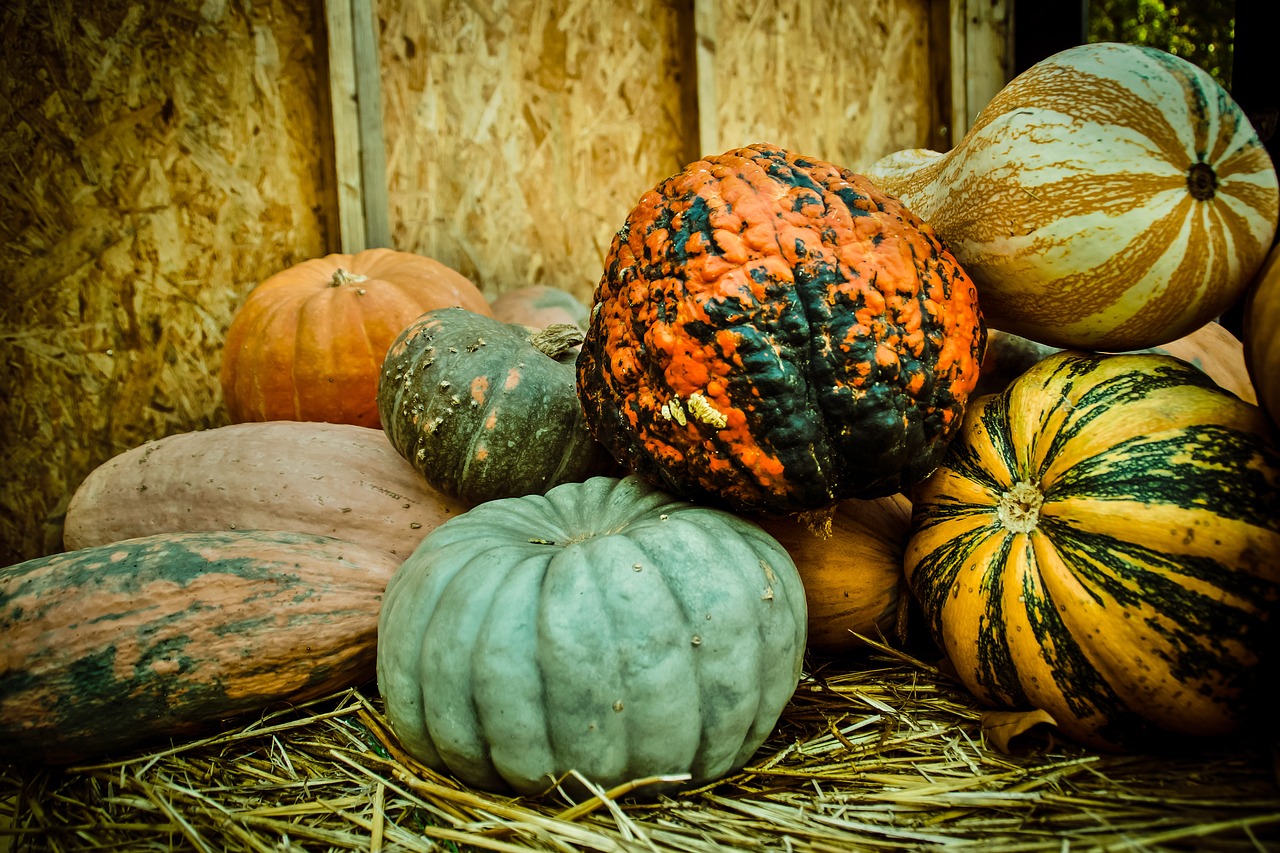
{"type": "Point", "coordinates": [105, 649]}
{"type": "Point", "coordinates": [485, 409]}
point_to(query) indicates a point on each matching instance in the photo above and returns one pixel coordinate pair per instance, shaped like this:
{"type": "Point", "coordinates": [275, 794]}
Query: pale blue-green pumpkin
{"type": "Point", "coordinates": [604, 627]}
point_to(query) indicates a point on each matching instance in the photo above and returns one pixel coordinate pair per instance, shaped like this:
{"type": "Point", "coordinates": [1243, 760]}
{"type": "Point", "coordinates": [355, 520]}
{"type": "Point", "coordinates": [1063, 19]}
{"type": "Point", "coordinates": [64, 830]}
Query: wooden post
{"type": "Point", "coordinates": [981, 52]}
{"type": "Point", "coordinates": [373, 150]}
{"type": "Point", "coordinates": [356, 103]}
{"type": "Point", "coordinates": [704, 25]}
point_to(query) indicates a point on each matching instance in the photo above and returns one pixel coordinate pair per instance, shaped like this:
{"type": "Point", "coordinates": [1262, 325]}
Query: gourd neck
{"type": "Point", "coordinates": [1019, 508]}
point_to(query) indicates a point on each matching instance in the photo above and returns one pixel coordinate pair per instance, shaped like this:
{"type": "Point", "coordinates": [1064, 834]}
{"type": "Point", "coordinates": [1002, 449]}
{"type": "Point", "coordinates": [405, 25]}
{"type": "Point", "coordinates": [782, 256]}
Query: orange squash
{"type": "Point", "coordinates": [853, 575]}
{"type": "Point", "coordinates": [308, 343]}
{"type": "Point", "coordinates": [1262, 335]}
{"type": "Point", "coordinates": [1211, 348]}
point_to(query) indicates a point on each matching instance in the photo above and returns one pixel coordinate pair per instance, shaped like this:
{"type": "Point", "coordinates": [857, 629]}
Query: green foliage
{"type": "Point", "coordinates": [1199, 31]}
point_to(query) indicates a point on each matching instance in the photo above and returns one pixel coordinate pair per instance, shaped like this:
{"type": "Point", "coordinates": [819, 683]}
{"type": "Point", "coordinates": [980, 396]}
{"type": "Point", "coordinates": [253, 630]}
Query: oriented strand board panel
{"type": "Point", "coordinates": [520, 133]}
{"type": "Point", "coordinates": [846, 81]}
{"type": "Point", "coordinates": [157, 159]}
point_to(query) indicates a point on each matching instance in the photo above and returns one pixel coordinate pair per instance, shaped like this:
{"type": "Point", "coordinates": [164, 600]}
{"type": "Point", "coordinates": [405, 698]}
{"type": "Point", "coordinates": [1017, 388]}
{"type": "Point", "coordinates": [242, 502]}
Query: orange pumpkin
{"type": "Point", "coordinates": [854, 583]}
{"type": "Point", "coordinates": [1261, 334]}
{"type": "Point", "coordinates": [1211, 348]}
{"type": "Point", "coordinates": [308, 343]}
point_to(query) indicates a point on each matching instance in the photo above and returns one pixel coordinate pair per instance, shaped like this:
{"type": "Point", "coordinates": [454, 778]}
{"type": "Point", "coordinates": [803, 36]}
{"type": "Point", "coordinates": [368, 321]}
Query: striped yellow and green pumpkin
{"type": "Point", "coordinates": [1102, 542]}
{"type": "Point", "coordinates": [1111, 197]}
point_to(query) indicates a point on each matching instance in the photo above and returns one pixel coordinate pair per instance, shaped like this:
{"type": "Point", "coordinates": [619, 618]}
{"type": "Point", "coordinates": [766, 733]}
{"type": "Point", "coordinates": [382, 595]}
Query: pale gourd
{"type": "Point", "coordinates": [1110, 197]}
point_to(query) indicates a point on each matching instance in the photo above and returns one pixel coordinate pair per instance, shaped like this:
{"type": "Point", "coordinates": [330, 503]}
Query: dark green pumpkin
{"type": "Point", "coordinates": [485, 409]}
{"type": "Point", "coordinates": [773, 333]}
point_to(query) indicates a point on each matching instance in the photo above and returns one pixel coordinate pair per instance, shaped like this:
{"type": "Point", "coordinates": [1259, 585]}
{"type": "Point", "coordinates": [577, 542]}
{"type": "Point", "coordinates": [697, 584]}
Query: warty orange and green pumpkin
{"type": "Point", "coordinates": [774, 334]}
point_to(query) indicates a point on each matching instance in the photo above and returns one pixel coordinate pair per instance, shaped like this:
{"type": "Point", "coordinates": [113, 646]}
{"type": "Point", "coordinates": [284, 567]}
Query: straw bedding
{"type": "Point", "coordinates": [881, 752]}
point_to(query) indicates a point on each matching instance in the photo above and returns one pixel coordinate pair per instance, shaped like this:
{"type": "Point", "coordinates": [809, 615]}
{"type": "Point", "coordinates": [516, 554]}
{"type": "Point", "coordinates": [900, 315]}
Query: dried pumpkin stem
{"type": "Point", "coordinates": [1019, 508]}
{"type": "Point", "coordinates": [341, 277]}
{"type": "Point", "coordinates": [557, 339]}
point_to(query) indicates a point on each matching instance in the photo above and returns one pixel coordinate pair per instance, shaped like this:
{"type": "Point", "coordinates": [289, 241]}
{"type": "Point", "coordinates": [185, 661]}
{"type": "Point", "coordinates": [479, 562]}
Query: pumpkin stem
{"type": "Point", "coordinates": [557, 339]}
{"type": "Point", "coordinates": [1202, 182]}
{"type": "Point", "coordinates": [818, 521]}
{"type": "Point", "coordinates": [1019, 508]}
{"type": "Point", "coordinates": [341, 277]}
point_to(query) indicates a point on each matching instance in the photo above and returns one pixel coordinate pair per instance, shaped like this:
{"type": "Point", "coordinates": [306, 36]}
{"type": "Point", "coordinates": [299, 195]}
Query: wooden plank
{"type": "Point", "coordinates": [959, 70]}
{"type": "Point", "coordinates": [940, 137]}
{"type": "Point", "coordinates": [981, 58]}
{"type": "Point", "coordinates": [372, 145]}
{"type": "Point", "coordinates": [346, 124]}
{"type": "Point", "coordinates": [989, 50]}
{"type": "Point", "coordinates": [704, 25]}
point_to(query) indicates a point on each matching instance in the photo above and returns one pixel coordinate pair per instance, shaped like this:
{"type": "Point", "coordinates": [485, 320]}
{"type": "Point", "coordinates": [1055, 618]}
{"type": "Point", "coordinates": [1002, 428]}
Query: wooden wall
{"type": "Point", "coordinates": [160, 158]}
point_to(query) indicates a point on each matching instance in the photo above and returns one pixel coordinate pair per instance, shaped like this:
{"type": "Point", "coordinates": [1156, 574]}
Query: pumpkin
{"type": "Point", "coordinates": [852, 571]}
{"type": "Point", "coordinates": [484, 409]}
{"type": "Point", "coordinates": [1110, 197]}
{"type": "Point", "coordinates": [539, 306]}
{"type": "Point", "coordinates": [773, 334]}
{"type": "Point", "coordinates": [1102, 543]}
{"type": "Point", "coordinates": [1261, 332]}
{"type": "Point", "coordinates": [1211, 348]}
{"type": "Point", "coordinates": [103, 649]}
{"type": "Point", "coordinates": [337, 480]}
{"type": "Point", "coordinates": [604, 627]}
{"type": "Point", "coordinates": [308, 342]}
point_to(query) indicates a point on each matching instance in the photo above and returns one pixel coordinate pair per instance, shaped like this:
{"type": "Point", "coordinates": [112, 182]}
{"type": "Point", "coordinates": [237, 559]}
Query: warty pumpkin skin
{"type": "Point", "coordinates": [1110, 197]}
{"type": "Point", "coordinates": [337, 480]}
{"type": "Point", "coordinates": [308, 342]}
{"type": "Point", "coordinates": [854, 584]}
{"type": "Point", "coordinates": [1102, 542]}
{"type": "Point", "coordinates": [773, 334]}
{"type": "Point", "coordinates": [485, 409]}
{"type": "Point", "coordinates": [104, 649]}
{"type": "Point", "coordinates": [604, 627]}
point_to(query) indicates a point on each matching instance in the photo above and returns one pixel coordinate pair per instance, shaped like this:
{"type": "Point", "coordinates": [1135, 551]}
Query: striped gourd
{"type": "Point", "coordinates": [1111, 197]}
{"type": "Point", "coordinates": [1102, 542]}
